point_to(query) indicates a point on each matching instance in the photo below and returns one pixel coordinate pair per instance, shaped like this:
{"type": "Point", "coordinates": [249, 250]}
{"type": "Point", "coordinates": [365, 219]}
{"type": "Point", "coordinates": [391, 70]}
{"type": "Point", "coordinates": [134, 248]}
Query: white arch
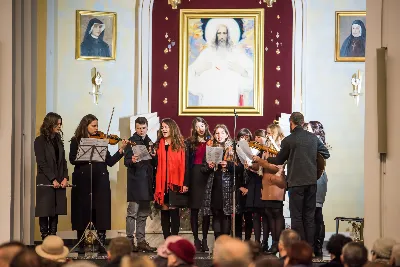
{"type": "Point", "coordinates": [144, 55]}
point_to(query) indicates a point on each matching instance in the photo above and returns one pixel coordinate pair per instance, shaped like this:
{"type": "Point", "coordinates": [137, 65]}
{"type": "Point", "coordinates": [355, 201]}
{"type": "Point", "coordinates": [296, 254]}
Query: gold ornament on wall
{"type": "Point", "coordinates": [165, 66]}
{"type": "Point", "coordinates": [96, 82]}
{"type": "Point", "coordinates": [174, 3]}
{"type": "Point", "coordinates": [278, 84]}
{"type": "Point", "coordinates": [356, 80]}
{"type": "Point", "coordinates": [165, 50]}
{"type": "Point", "coordinates": [165, 101]}
{"type": "Point", "coordinates": [269, 2]}
{"type": "Point", "coordinates": [278, 68]}
{"type": "Point", "coordinates": [165, 84]}
{"type": "Point", "coordinates": [277, 102]}
{"type": "Point", "coordinates": [278, 51]}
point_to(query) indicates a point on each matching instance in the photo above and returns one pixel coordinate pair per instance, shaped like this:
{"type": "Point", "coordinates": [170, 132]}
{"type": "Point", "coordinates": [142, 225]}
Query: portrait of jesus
{"type": "Point", "coordinates": [221, 63]}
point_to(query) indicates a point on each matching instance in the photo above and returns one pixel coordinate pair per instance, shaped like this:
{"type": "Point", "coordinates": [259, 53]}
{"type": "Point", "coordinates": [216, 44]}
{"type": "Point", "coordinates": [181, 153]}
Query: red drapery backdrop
{"type": "Point", "coordinates": [278, 35]}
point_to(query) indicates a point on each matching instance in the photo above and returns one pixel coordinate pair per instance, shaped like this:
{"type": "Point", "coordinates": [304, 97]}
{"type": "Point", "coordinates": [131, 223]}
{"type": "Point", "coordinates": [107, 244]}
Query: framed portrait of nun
{"type": "Point", "coordinates": [351, 36]}
{"type": "Point", "coordinates": [96, 35]}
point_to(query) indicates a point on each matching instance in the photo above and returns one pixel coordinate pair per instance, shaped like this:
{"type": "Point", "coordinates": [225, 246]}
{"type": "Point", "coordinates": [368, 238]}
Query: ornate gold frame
{"type": "Point", "coordinates": [339, 14]}
{"type": "Point", "coordinates": [79, 13]}
{"type": "Point", "coordinates": [258, 100]}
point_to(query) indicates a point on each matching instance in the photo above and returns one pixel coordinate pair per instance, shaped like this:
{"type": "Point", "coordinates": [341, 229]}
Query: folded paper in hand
{"type": "Point", "coordinates": [141, 152]}
{"type": "Point", "coordinates": [214, 154]}
{"type": "Point", "coordinates": [245, 153]}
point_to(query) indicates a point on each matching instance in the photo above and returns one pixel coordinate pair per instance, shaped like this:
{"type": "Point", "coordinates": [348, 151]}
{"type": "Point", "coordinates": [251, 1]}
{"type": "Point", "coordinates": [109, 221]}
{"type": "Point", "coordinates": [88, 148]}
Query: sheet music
{"type": "Point", "coordinates": [87, 145]}
{"type": "Point", "coordinates": [141, 152]}
{"type": "Point", "coordinates": [245, 153]}
{"type": "Point", "coordinates": [242, 156]}
{"type": "Point", "coordinates": [214, 154]}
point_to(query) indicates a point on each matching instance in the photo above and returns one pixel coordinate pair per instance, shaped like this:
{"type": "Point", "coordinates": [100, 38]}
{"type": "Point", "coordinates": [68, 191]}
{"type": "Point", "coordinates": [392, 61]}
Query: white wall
{"type": "Point", "coordinates": [382, 211]}
{"type": "Point", "coordinates": [69, 80]}
{"type": "Point", "coordinates": [326, 99]}
{"type": "Point", "coordinates": [6, 110]}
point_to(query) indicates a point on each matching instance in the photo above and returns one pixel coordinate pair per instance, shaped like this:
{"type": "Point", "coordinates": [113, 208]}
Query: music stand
{"type": "Point", "coordinates": [234, 177]}
{"type": "Point", "coordinates": [91, 150]}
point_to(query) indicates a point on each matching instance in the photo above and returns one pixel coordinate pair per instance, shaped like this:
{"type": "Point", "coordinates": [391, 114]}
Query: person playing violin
{"type": "Point", "coordinates": [80, 195]}
{"type": "Point", "coordinates": [139, 187]}
{"type": "Point", "coordinates": [51, 170]}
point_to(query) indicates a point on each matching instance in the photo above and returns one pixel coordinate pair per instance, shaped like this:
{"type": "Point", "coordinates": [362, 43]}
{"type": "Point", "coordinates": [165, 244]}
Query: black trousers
{"type": "Point", "coordinates": [319, 228]}
{"type": "Point", "coordinates": [302, 202]}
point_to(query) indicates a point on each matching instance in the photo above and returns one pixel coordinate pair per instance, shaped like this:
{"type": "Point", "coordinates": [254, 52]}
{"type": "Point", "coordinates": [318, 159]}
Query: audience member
{"type": "Point", "coordinates": [53, 249]}
{"type": "Point", "coordinates": [334, 247]}
{"type": "Point", "coordinates": [382, 250]}
{"type": "Point", "coordinates": [268, 261]}
{"type": "Point", "coordinates": [8, 251]}
{"type": "Point", "coordinates": [395, 257]}
{"type": "Point", "coordinates": [26, 258]}
{"type": "Point", "coordinates": [119, 247]}
{"type": "Point", "coordinates": [182, 253]}
{"type": "Point", "coordinates": [255, 249]}
{"type": "Point", "coordinates": [286, 239]}
{"type": "Point", "coordinates": [299, 254]}
{"type": "Point", "coordinates": [162, 252]}
{"type": "Point", "coordinates": [354, 255]}
{"type": "Point", "coordinates": [137, 261]}
{"type": "Point", "coordinates": [81, 263]}
{"type": "Point", "coordinates": [228, 250]}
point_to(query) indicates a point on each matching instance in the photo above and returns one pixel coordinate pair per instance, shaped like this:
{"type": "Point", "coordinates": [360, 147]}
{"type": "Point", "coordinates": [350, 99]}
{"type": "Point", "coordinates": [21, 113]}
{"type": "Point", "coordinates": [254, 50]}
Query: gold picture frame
{"type": "Point", "coordinates": [94, 38]}
{"type": "Point", "coordinates": [221, 62]}
{"type": "Point", "coordinates": [348, 47]}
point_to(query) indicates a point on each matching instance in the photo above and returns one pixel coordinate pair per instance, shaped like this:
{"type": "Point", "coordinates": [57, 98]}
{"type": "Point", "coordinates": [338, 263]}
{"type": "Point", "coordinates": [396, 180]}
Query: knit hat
{"type": "Point", "coordinates": [184, 250]}
{"type": "Point", "coordinates": [52, 248]}
{"type": "Point", "coordinates": [383, 247]}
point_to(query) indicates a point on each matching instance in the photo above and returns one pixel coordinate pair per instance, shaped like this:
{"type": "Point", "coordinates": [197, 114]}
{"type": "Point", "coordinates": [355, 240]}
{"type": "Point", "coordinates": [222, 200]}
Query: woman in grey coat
{"type": "Point", "coordinates": [51, 170]}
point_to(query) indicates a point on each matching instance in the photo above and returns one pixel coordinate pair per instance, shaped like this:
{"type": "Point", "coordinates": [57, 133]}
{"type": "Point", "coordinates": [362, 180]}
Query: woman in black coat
{"type": "Point", "coordinates": [51, 170]}
{"type": "Point", "coordinates": [81, 178]}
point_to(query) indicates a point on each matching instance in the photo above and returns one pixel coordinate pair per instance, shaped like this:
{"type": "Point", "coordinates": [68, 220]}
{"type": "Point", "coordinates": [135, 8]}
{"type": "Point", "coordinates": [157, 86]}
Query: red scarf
{"type": "Point", "coordinates": [175, 167]}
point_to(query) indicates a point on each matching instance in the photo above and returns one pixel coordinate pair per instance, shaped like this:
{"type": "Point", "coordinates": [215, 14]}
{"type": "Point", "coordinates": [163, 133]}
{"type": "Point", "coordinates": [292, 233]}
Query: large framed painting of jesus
{"type": "Point", "coordinates": [221, 62]}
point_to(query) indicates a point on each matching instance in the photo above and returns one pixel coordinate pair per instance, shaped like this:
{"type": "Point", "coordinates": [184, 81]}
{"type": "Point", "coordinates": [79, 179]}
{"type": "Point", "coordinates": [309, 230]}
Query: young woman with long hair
{"type": "Point", "coordinates": [219, 190]}
{"type": "Point", "coordinates": [242, 182]}
{"type": "Point", "coordinates": [170, 184]}
{"type": "Point", "coordinates": [81, 177]}
{"type": "Point", "coordinates": [196, 147]}
{"type": "Point", "coordinates": [51, 170]}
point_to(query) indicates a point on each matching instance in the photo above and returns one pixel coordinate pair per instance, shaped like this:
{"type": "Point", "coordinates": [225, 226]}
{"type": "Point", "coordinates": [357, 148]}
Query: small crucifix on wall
{"type": "Point", "coordinates": [96, 82]}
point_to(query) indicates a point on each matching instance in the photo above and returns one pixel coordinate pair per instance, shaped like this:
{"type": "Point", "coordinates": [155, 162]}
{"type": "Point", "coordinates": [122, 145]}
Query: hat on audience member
{"type": "Point", "coordinates": [52, 248]}
{"type": "Point", "coordinates": [184, 250]}
{"type": "Point", "coordinates": [383, 247]}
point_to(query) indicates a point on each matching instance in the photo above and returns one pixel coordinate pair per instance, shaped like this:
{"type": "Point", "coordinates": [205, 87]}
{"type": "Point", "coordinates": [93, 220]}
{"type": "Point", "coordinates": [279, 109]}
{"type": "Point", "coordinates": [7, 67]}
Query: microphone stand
{"type": "Point", "coordinates": [234, 175]}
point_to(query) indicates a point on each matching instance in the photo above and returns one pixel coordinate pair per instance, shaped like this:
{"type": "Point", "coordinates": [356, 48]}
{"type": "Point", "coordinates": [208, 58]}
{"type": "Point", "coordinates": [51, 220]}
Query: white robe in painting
{"type": "Point", "coordinates": [215, 76]}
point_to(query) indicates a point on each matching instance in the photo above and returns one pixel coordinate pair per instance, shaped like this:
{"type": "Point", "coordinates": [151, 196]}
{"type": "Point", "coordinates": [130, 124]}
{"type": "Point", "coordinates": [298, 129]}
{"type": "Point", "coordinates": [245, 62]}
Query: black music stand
{"type": "Point", "coordinates": [234, 177]}
{"type": "Point", "coordinates": [91, 150]}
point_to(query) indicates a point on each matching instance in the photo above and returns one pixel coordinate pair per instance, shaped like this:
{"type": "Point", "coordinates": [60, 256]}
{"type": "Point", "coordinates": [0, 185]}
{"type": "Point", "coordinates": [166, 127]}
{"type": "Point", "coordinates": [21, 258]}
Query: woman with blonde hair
{"type": "Point", "coordinates": [170, 184]}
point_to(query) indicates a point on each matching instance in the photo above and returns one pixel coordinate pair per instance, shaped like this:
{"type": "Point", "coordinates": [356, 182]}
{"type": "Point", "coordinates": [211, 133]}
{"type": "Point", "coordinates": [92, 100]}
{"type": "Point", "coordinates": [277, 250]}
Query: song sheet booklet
{"type": "Point", "coordinates": [92, 149]}
{"type": "Point", "coordinates": [245, 153]}
{"type": "Point", "coordinates": [214, 154]}
{"type": "Point", "coordinates": [141, 152]}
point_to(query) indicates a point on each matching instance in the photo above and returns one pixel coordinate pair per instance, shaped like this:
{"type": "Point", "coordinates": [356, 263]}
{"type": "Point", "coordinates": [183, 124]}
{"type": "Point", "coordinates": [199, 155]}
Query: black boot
{"type": "Point", "coordinates": [53, 222]}
{"type": "Point", "coordinates": [44, 226]}
{"type": "Point", "coordinates": [319, 241]}
{"type": "Point", "coordinates": [102, 237]}
{"type": "Point", "coordinates": [81, 247]}
{"type": "Point", "coordinates": [264, 246]}
{"type": "Point", "coordinates": [165, 223]}
{"type": "Point", "coordinates": [274, 248]}
{"type": "Point", "coordinates": [197, 245]}
{"type": "Point", "coordinates": [175, 221]}
{"type": "Point", "coordinates": [204, 245]}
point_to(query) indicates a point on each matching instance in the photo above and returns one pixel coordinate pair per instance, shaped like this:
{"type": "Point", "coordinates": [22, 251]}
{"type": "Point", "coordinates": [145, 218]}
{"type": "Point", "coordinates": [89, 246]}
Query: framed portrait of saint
{"type": "Point", "coordinates": [96, 35]}
{"type": "Point", "coordinates": [221, 62]}
{"type": "Point", "coordinates": [351, 36]}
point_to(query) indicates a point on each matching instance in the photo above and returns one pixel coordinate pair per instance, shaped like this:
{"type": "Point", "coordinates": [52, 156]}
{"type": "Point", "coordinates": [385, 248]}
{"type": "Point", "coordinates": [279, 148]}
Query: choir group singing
{"type": "Point", "coordinates": [177, 176]}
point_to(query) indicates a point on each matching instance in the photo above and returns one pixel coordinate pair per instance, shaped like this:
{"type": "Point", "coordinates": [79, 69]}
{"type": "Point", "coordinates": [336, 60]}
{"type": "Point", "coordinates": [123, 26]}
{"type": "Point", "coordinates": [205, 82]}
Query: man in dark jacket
{"type": "Point", "coordinates": [300, 150]}
{"type": "Point", "coordinates": [139, 187]}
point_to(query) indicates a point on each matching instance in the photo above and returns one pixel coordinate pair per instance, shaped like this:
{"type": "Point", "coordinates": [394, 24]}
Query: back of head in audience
{"type": "Point", "coordinates": [162, 250]}
{"type": "Point", "coordinates": [354, 255]}
{"type": "Point", "coordinates": [299, 253]}
{"type": "Point", "coordinates": [81, 263]}
{"type": "Point", "coordinates": [382, 249]}
{"type": "Point", "coordinates": [9, 250]}
{"type": "Point", "coordinates": [395, 257]}
{"type": "Point", "coordinates": [182, 252]}
{"type": "Point", "coordinates": [119, 247]}
{"type": "Point", "coordinates": [286, 239]}
{"type": "Point", "coordinates": [269, 261]}
{"type": "Point", "coordinates": [255, 249]}
{"type": "Point", "coordinates": [26, 257]}
{"type": "Point", "coordinates": [137, 261]}
{"type": "Point", "coordinates": [231, 250]}
{"type": "Point", "coordinates": [336, 244]}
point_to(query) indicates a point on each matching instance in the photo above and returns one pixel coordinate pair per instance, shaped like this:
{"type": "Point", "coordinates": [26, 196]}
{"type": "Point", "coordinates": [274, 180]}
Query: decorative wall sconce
{"type": "Point", "coordinates": [96, 82]}
{"type": "Point", "coordinates": [174, 3]}
{"type": "Point", "coordinates": [269, 2]}
{"type": "Point", "coordinates": [356, 80]}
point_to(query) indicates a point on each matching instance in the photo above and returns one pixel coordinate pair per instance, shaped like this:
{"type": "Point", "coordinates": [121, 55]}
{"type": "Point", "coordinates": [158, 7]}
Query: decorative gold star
{"type": "Point", "coordinates": [165, 101]}
{"type": "Point", "coordinates": [165, 66]}
{"type": "Point", "coordinates": [278, 84]}
{"type": "Point", "coordinates": [165, 50]}
{"type": "Point", "coordinates": [169, 40]}
{"type": "Point", "coordinates": [278, 51]}
{"type": "Point", "coordinates": [166, 18]}
{"type": "Point", "coordinates": [278, 17]}
{"type": "Point", "coordinates": [165, 84]}
{"type": "Point", "coordinates": [277, 35]}
{"type": "Point", "coordinates": [278, 68]}
{"type": "Point", "coordinates": [277, 102]}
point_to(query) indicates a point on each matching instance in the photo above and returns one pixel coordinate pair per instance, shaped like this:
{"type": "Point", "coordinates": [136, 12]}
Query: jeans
{"type": "Point", "coordinates": [137, 213]}
{"type": "Point", "coordinates": [302, 202]}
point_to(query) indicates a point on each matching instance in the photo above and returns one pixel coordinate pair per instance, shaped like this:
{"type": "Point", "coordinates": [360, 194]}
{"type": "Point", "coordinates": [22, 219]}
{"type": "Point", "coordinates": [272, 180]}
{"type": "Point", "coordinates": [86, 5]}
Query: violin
{"type": "Point", "coordinates": [113, 139]}
{"type": "Point", "coordinates": [271, 149]}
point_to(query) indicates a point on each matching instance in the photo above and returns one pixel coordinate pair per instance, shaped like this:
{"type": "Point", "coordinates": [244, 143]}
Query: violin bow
{"type": "Point", "coordinates": [108, 130]}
